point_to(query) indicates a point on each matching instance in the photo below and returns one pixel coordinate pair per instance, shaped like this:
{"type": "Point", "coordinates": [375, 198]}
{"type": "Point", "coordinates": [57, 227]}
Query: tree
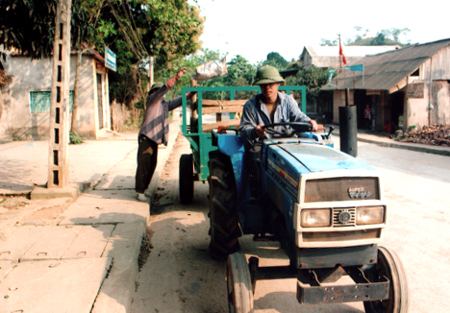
{"type": "Point", "coordinates": [27, 27]}
{"type": "Point", "coordinates": [240, 73]}
{"type": "Point", "coordinates": [125, 88]}
{"type": "Point", "coordinates": [169, 29]}
{"type": "Point", "coordinates": [396, 33]}
{"type": "Point", "coordinates": [276, 60]}
{"type": "Point", "coordinates": [379, 40]}
{"type": "Point", "coordinates": [293, 65]}
{"type": "Point", "coordinates": [239, 67]}
{"type": "Point", "coordinates": [327, 42]}
{"type": "Point", "coordinates": [313, 78]}
{"type": "Point", "coordinates": [190, 62]}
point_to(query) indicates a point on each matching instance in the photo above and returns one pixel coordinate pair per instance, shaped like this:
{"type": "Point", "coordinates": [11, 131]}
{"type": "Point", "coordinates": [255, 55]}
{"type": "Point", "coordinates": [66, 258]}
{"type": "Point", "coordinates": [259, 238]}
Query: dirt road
{"type": "Point", "coordinates": [179, 275]}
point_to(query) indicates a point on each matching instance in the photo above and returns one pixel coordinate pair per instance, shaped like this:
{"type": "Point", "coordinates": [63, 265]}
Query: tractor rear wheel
{"type": "Point", "coordinates": [389, 265]}
{"type": "Point", "coordinates": [224, 225]}
{"type": "Point", "coordinates": [239, 284]}
{"type": "Point", "coordinates": [186, 179]}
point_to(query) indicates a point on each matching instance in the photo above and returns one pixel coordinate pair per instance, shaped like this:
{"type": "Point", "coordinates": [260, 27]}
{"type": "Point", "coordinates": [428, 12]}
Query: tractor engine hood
{"type": "Point", "coordinates": [301, 158]}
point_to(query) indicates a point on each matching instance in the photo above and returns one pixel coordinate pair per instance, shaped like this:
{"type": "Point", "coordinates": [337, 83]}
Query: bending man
{"type": "Point", "coordinates": [154, 131]}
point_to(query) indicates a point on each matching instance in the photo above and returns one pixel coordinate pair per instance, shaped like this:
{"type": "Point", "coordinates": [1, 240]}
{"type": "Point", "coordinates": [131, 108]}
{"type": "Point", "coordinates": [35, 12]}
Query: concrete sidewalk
{"type": "Point", "coordinates": [77, 254]}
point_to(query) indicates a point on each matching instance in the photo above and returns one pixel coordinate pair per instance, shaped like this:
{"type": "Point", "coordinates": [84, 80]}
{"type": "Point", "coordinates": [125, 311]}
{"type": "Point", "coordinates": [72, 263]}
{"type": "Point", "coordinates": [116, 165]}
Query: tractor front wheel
{"type": "Point", "coordinates": [389, 265]}
{"type": "Point", "coordinates": [239, 284]}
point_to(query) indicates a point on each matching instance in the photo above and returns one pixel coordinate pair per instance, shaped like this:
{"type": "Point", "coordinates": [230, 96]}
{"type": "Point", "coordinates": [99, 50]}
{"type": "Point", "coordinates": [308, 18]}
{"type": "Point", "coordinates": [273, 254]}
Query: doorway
{"type": "Point", "coordinates": [100, 101]}
{"type": "Point", "coordinates": [396, 101]}
{"type": "Point", "coordinates": [361, 100]}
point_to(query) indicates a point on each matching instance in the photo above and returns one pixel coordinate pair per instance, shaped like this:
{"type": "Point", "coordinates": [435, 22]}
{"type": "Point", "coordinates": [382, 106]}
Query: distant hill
{"type": "Point", "coordinates": [376, 41]}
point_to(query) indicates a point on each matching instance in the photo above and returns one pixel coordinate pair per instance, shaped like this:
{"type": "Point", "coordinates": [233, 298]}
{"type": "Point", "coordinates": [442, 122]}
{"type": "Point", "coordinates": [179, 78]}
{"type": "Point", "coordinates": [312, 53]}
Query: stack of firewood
{"type": "Point", "coordinates": [433, 135]}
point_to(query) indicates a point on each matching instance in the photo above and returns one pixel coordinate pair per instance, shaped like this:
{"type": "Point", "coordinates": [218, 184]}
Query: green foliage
{"type": "Point", "coordinates": [28, 26]}
{"type": "Point", "coordinates": [313, 78]}
{"type": "Point", "coordinates": [379, 40]}
{"type": "Point", "coordinates": [168, 30]}
{"type": "Point", "coordinates": [293, 65]}
{"type": "Point", "coordinates": [241, 81]}
{"type": "Point", "coordinates": [190, 62]}
{"type": "Point", "coordinates": [133, 29]}
{"type": "Point", "coordinates": [240, 73]}
{"type": "Point", "coordinates": [75, 139]}
{"type": "Point", "coordinates": [276, 60]}
{"type": "Point", "coordinates": [179, 29]}
{"type": "Point", "coordinates": [239, 67]}
{"type": "Point", "coordinates": [328, 42]}
{"type": "Point", "coordinates": [131, 125]}
{"type": "Point", "coordinates": [124, 87]}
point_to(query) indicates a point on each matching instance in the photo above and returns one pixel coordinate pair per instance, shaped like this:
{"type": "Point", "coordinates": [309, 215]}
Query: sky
{"type": "Point", "coordinates": [254, 28]}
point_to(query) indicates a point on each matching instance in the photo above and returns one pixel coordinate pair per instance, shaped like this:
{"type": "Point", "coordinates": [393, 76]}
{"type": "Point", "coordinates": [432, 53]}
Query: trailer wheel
{"type": "Point", "coordinates": [239, 284]}
{"type": "Point", "coordinates": [224, 226]}
{"type": "Point", "coordinates": [389, 265]}
{"type": "Point", "coordinates": [186, 179]}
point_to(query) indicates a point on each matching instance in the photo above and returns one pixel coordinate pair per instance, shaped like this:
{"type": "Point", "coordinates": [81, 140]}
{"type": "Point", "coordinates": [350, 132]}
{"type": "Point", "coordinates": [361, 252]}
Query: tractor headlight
{"type": "Point", "coordinates": [369, 215]}
{"type": "Point", "coordinates": [316, 218]}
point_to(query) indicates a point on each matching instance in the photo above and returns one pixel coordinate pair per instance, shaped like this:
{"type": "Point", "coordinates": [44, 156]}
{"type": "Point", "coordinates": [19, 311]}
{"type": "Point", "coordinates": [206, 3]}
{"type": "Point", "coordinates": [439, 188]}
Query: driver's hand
{"type": "Point", "coordinates": [260, 131]}
{"type": "Point", "coordinates": [313, 125]}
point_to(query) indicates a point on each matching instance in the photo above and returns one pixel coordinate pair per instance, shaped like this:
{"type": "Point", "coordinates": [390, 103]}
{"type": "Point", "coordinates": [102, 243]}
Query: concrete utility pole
{"type": "Point", "coordinates": [58, 160]}
{"type": "Point", "coordinates": [150, 72]}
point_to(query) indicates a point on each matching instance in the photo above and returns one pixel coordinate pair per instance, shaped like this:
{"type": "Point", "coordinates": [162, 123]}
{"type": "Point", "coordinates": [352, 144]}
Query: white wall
{"type": "Point", "coordinates": [17, 122]}
{"type": "Point", "coordinates": [434, 74]}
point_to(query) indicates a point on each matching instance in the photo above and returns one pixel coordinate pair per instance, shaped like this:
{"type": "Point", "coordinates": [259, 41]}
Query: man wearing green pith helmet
{"type": "Point", "coordinates": [271, 106]}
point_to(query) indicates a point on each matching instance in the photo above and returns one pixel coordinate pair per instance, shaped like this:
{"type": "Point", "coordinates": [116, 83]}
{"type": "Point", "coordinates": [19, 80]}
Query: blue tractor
{"type": "Point", "coordinates": [324, 207]}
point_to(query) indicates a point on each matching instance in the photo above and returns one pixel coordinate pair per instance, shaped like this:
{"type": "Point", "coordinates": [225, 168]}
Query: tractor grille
{"type": "Point", "coordinates": [341, 235]}
{"type": "Point", "coordinates": [344, 217]}
{"type": "Point", "coordinates": [342, 189]}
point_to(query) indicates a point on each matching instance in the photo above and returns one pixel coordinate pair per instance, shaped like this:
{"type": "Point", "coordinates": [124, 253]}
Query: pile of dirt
{"type": "Point", "coordinates": [433, 135]}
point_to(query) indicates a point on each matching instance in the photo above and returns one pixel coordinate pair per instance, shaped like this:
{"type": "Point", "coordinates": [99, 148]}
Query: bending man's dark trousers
{"type": "Point", "coordinates": [146, 159]}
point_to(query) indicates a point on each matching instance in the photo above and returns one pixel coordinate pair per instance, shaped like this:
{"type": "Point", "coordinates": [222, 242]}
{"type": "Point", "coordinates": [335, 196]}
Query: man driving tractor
{"type": "Point", "coordinates": [270, 106]}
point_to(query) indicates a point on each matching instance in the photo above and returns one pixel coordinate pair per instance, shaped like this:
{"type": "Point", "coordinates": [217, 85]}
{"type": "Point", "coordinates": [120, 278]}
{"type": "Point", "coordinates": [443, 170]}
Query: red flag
{"type": "Point", "coordinates": [341, 53]}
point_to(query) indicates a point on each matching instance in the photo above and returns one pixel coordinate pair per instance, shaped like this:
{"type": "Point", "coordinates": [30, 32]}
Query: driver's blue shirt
{"type": "Point", "coordinates": [255, 112]}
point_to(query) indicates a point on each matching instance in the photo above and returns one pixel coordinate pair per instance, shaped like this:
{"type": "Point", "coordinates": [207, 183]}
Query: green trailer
{"type": "Point", "coordinates": [202, 117]}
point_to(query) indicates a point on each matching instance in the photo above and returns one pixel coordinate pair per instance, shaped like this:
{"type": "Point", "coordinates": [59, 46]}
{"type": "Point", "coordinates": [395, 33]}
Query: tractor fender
{"type": "Point", "coordinates": [232, 145]}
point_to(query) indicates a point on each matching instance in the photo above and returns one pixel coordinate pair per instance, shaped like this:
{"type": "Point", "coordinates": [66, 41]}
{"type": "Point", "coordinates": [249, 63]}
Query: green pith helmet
{"type": "Point", "coordinates": [155, 86]}
{"type": "Point", "coordinates": [267, 75]}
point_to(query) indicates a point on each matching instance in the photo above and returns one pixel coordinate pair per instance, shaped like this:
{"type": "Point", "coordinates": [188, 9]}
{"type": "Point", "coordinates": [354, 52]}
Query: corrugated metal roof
{"type": "Point", "coordinates": [386, 70]}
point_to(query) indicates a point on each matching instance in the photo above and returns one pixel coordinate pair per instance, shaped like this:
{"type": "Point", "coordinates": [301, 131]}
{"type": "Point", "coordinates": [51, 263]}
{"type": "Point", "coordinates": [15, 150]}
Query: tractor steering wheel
{"type": "Point", "coordinates": [299, 127]}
